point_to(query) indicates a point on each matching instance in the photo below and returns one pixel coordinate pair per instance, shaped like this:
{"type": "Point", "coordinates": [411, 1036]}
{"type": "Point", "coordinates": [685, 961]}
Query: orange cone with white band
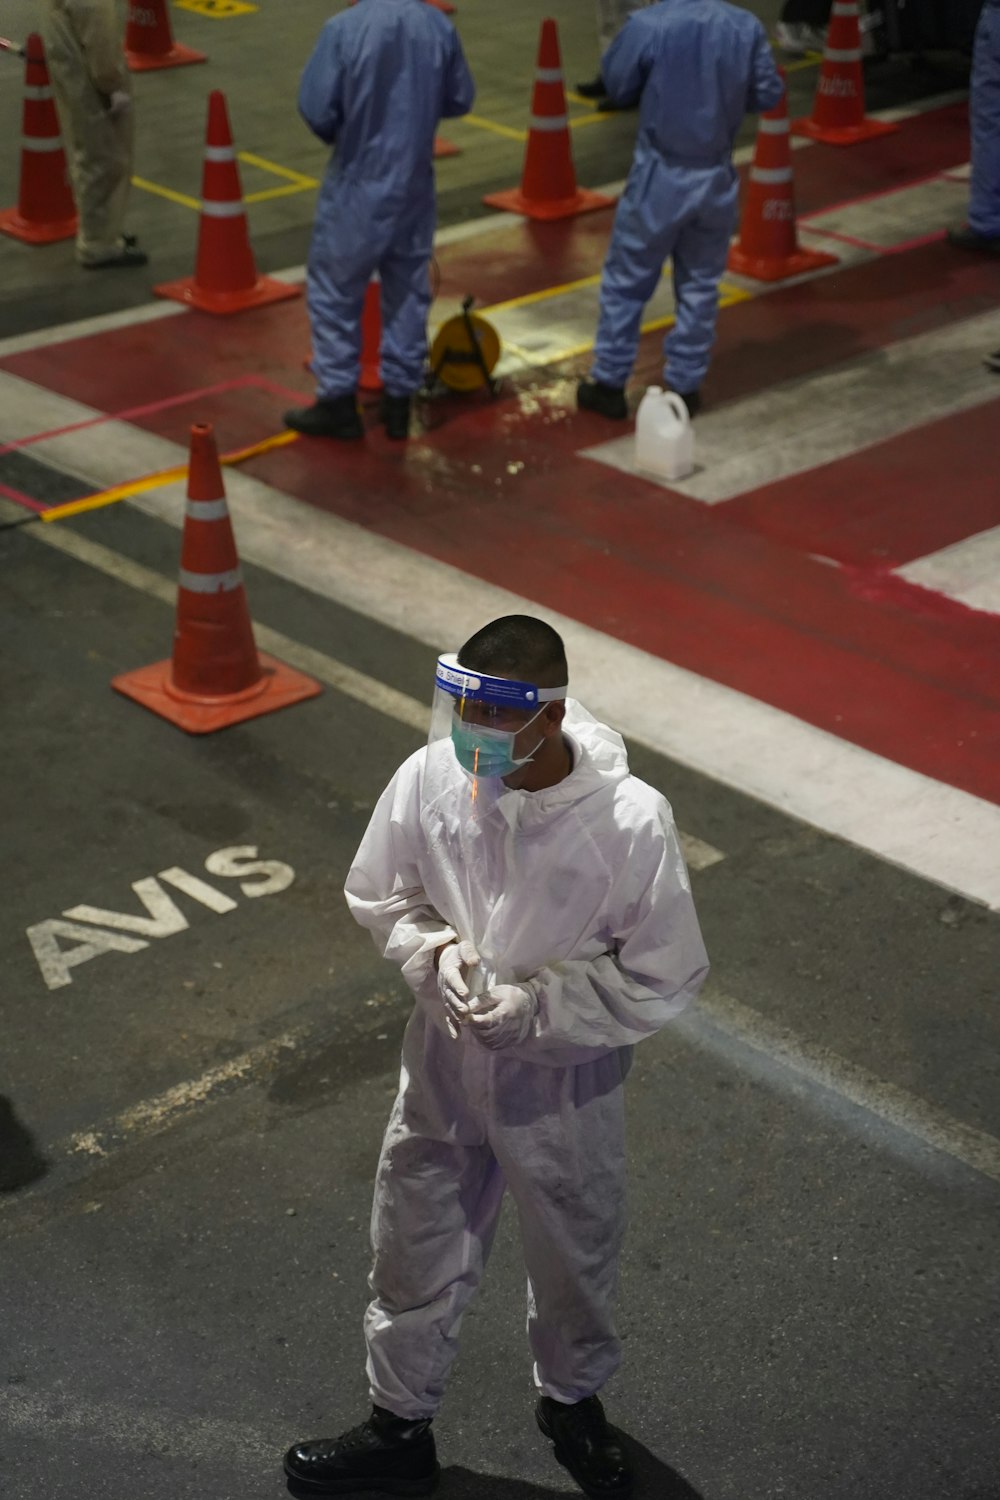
{"type": "Point", "coordinates": [216, 676]}
{"type": "Point", "coordinates": [548, 182]}
{"type": "Point", "coordinates": [838, 116]}
{"type": "Point", "coordinates": [149, 41]}
{"type": "Point", "coordinates": [768, 247]}
{"type": "Point", "coordinates": [225, 277]}
{"type": "Point", "coordinates": [45, 209]}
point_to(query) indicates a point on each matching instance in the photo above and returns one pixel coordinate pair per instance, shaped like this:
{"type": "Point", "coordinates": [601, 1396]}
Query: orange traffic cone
{"type": "Point", "coordinates": [838, 116]}
{"type": "Point", "coordinates": [444, 148]}
{"type": "Point", "coordinates": [548, 182]}
{"type": "Point", "coordinates": [45, 209]}
{"type": "Point", "coordinates": [444, 5]}
{"type": "Point", "coordinates": [768, 247]}
{"type": "Point", "coordinates": [225, 277]}
{"type": "Point", "coordinates": [215, 677]}
{"type": "Point", "coordinates": [371, 337]}
{"type": "Point", "coordinates": [149, 41]}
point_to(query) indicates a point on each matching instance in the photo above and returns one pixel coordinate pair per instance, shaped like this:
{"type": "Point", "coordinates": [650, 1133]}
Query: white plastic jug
{"type": "Point", "coordinates": [664, 442]}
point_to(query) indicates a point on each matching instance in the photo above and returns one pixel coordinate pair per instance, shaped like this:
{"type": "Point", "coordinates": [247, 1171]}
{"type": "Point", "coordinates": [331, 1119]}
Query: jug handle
{"type": "Point", "coordinates": [677, 406]}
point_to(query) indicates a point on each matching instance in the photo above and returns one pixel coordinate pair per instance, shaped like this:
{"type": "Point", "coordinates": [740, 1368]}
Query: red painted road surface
{"type": "Point", "coordinates": [737, 592]}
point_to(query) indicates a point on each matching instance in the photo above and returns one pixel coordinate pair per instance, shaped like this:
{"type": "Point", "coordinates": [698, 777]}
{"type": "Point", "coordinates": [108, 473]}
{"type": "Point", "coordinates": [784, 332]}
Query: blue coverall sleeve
{"type": "Point", "coordinates": [459, 87]}
{"type": "Point", "coordinates": [320, 91]}
{"type": "Point", "coordinates": [626, 64]}
{"type": "Point", "coordinates": [766, 83]}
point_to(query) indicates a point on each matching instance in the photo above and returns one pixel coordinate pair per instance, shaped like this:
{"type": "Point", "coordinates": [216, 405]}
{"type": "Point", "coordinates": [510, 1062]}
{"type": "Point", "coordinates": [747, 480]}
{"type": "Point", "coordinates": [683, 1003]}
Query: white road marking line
{"type": "Point", "coordinates": [968, 571]}
{"type": "Point", "coordinates": [831, 415]}
{"type": "Point", "coordinates": [935, 831]}
{"type": "Point", "coordinates": [826, 1070]}
{"type": "Point", "coordinates": [153, 1114]}
{"type": "Point", "coordinates": [697, 854]}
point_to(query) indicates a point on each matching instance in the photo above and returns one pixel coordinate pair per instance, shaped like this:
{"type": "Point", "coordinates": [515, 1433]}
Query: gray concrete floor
{"type": "Point", "coordinates": [40, 286]}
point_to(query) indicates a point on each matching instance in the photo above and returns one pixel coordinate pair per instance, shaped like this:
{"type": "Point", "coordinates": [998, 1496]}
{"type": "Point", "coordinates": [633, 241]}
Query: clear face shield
{"type": "Point", "coordinates": [484, 717]}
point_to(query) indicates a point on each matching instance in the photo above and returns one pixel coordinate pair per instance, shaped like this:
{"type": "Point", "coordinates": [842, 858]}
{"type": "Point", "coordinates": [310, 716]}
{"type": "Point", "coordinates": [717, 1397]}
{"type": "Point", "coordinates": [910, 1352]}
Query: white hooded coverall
{"type": "Point", "coordinates": [83, 49]}
{"type": "Point", "coordinates": [579, 890]}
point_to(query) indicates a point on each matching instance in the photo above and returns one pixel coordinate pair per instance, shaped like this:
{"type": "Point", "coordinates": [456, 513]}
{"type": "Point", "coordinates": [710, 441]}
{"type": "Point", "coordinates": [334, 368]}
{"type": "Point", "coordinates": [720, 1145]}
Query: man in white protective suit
{"type": "Point", "coordinates": [93, 94]}
{"type": "Point", "coordinates": [534, 895]}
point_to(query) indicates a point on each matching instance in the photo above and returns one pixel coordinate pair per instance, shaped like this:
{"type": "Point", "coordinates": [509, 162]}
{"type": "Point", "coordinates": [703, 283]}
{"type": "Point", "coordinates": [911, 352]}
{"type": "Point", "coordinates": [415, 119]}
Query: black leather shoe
{"type": "Point", "coordinates": [395, 413]}
{"type": "Point", "coordinates": [612, 107]}
{"type": "Point", "coordinates": [384, 1453]}
{"type": "Point", "coordinates": [334, 417]}
{"type": "Point", "coordinates": [585, 1445]}
{"type": "Point", "coordinates": [968, 239]}
{"type": "Point", "coordinates": [606, 400]}
{"type": "Point", "coordinates": [126, 253]}
{"type": "Point", "coordinates": [593, 90]}
{"type": "Point", "coordinates": [691, 399]}
{"type": "Point", "coordinates": [992, 362]}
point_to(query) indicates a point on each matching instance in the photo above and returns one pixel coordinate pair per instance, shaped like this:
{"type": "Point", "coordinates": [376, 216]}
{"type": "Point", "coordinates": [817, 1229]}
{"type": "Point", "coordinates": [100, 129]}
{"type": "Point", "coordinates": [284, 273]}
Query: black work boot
{"type": "Point", "coordinates": [395, 413]}
{"type": "Point", "coordinates": [593, 89]}
{"type": "Point", "coordinates": [385, 1453]}
{"type": "Point", "coordinates": [331, 417]}
{"type": "Point", "coordinates": [585, 1445]}
{"type": "Point", "coordinates": [691, 399]}
{"type": "Point", "coordinates": [968, 238]}
{"type": "Point", "coordinates": [606, 400]}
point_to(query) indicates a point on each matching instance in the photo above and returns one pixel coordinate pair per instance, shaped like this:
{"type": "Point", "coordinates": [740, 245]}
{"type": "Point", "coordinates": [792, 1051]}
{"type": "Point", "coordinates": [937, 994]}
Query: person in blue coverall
{"type": "Point", "coordinates": [983, 229]}
{"type": "Point", "coordinates": [696, 66]}
{"type": "Point", "coordinates": [381, 76]}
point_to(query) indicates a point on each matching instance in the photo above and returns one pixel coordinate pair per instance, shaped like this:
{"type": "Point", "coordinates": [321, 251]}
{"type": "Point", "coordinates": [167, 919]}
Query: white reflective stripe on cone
{"type": "Point", "coordinates": [210, 583]}
{"type": "Point", "coordinates": [842, 54]}
{"type": "Point", "coordinates": [845, 8]}
{"type": "Point", "coordinates": [213, 210]}
{"type": "Point", "coordinates": [548, 122]}
{"type": "Point", "coordinates": [220, 153]}
{"type": "Point", "coordinates": [37, 91]}
{"type": "Point", "coordinates": [773, 127]}
{"type": "Point", "coordinates": [42, 142]}
{"type": "Point", "coordinates": [770, 174]}
{"type": "Point", "coordinates": [548, 75]}
{"type": "Point", "coordinates": [207, 510]}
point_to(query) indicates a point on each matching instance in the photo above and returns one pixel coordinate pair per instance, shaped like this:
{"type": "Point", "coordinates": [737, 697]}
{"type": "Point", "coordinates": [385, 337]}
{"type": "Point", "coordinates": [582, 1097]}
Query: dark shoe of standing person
{"type": "Point", "coordinates": [992, 362]}
{"type": "Point", "coordinates": [691, 399]}
{"type": "Point", "coordinates": [612, 107]}
{"type": "Point", "coordinates": [331, 417]}
{"type": "Point", "coordinates": [593, 90]}
{"type": "Point", "coordinates": [385, 1453]}
{"type": "Point", "coordinates": [125, 253]}
{"type": "Point", "coordinates": [585, 1445]}
{"type": "Point", "coordinates": [967, 238]}
{"type": "Point", "coordinates": [395, 413]}
{"type": "Point", "coordinates": [606, 400]}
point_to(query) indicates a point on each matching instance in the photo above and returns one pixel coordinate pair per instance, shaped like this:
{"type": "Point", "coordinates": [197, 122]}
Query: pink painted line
{"type": "Point", "coordinates": [918, 243]}
{"type": "Point", "coordinates": [19, 499]}
{"type": "Point", "coordinates": [240, 382]}
{"type": "Point", "coordinates": [849, 239]}
{"type": "Point", "coordinates": [888, 192]}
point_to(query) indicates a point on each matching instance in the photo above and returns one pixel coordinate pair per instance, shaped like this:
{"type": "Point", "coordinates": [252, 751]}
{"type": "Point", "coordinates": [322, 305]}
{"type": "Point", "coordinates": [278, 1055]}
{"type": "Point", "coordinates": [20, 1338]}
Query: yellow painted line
{"type": "Point", "coordinates": [218, 10]}
{"type": "Point", "coordinates": [280, 192]}
{"type": "Point", "coordinates": [279, 171]}
{"type": "Point", "coordinates": [506, 130]}
{"type": "Point", "coordinates": [162, 476]}
{"type": "Point", "coordinates": [811, 60]}
{"type": "Point", "coordinates": [163, 192]}
{"type": "Point", "coordinates": [600, 119]}
{"type": "Point", "coordinates": [552, 291]}
{"type": "Point", "coordinates": [728, 296]}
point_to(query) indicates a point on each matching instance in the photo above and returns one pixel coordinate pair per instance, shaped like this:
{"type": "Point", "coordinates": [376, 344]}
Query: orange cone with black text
{"type": "Point", "coordinates": [225, 277]}
{"type": "Point", "coordinates": [838, 116]}
{"type": "Point", "coordinates": [768, 247]}
{"type": "Point", "coordinates": [548, 182]}
{"type": "Point", "coordinates": [45, 209]}
{"type": "Point", "coordinates": [216, 676]}
{"type": "Point", "coordinates": [149, 40]}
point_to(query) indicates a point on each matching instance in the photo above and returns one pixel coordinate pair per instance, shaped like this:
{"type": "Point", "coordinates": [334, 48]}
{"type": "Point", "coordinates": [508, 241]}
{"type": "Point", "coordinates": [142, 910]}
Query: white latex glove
{"type": "Point", "coordinates": [502, 1016]}
{"type": "Point", "coordinates": [453, 986]}
{"type": "Point", "coordinates": [119, 102]}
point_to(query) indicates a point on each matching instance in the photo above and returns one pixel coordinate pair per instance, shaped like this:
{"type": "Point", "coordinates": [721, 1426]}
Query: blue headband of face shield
{"type": "Point", "coordinates": [482, 750]}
